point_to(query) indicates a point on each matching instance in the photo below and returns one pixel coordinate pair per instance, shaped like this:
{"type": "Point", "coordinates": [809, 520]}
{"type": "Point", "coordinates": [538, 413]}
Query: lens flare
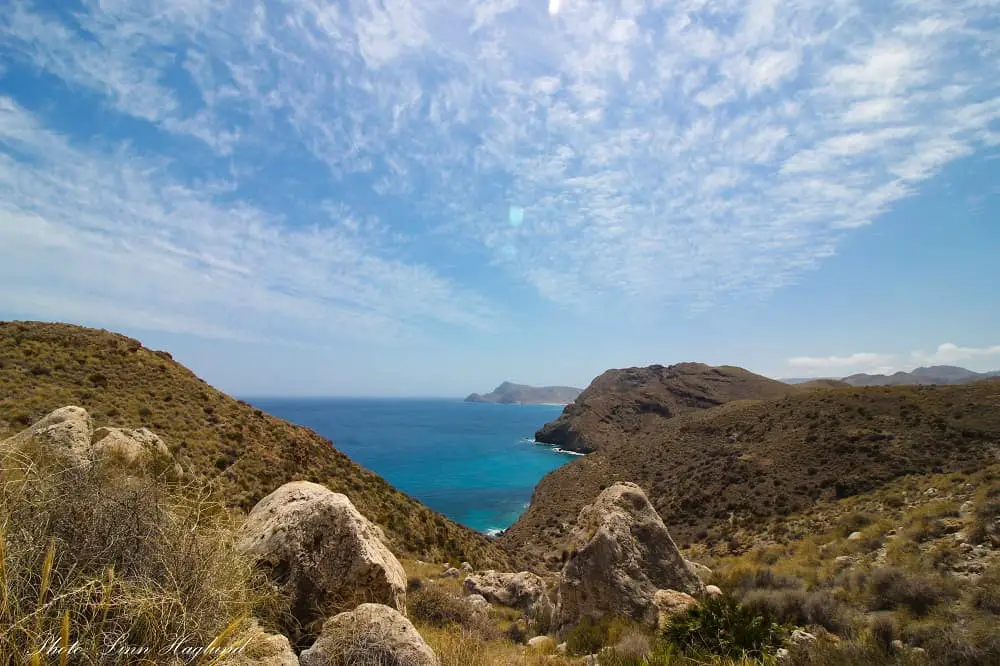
{"type": "Point", "coordinates": [516, 216]}
{"type": "Point", "coordinates": [554, 7]}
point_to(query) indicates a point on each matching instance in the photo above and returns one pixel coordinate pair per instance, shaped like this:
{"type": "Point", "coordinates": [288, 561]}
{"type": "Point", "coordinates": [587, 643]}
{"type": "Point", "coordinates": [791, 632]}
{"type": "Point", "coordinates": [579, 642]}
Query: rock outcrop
{"type": "Point", "coordinates": [524, 591]}
{"type": "Point", "coordinates": [622, 556]}
{"type": "Point", "coordinates": [370, 634]}
{"type": "Point", "coordinates": [66, 437]}
{"type": "Point", "coordinates": [65, 433]}
{"type": "Point", "coordinates": [321, 552]}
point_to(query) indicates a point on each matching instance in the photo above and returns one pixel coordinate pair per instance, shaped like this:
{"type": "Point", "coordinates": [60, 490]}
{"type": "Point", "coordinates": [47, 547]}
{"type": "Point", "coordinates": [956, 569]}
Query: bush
{"type": "Point", "coordinates": [721, 626]}
{"type": "Point", "coordinates": [439, 608]}
{"type": "Point", "coordinates": [986, 593]}
{"type": "Point", "coordinates": [91, 554]}
{"type": "Point", "coordinates": [798, 607]}
{"type": "Point", "coordinates": [884, 631]}
{"type": "Point", "coordinates": [890, 588]}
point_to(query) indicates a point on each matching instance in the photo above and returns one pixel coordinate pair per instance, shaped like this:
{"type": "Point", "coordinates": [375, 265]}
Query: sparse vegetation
{"type": "Point", "coordinates": [243, 452]}
{"type": "Point", "coordinates": [723, 627]}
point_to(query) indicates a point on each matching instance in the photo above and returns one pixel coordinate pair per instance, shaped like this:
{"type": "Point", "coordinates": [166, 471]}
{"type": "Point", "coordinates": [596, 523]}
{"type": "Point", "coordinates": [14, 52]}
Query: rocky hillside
{"type": "Point", "coordinates": [714, 472]}
{"type": "Point", "coordinates": [620, 403]}
{"type": "Point", "coordinates": [509, 393]}
{"type": "Point", "coordinates": [246, 452]}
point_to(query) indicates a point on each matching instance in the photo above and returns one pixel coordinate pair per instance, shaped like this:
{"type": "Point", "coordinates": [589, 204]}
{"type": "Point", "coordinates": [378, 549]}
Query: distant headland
{"type": "Point", "coordinates": [509, 393]}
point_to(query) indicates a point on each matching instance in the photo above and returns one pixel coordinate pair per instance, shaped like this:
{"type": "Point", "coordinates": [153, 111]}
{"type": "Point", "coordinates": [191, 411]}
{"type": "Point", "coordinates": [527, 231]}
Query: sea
{"type": "Point", "coordinates": [476, 463]}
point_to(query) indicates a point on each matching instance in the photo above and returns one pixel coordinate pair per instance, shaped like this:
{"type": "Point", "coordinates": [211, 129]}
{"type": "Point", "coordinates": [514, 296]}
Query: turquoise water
{"type": "Point", "coordinates": [475, 463]}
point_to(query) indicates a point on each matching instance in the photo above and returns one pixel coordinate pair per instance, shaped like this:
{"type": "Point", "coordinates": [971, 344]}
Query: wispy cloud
{"type": "Point", "coordinates": [662, 153]}
{"type": "Point", "coordinates": [114, 238]}
{"type": "Point", "coordinates": [974, 358]}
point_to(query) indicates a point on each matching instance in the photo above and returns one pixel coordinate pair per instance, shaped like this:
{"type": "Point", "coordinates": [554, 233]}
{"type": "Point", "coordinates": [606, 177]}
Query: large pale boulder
{"type": "Point", "coordinates": [321, 552]}
{"type": "Point", "coordinates": [524, 591]}
{"type": "Point", "coordinates": [65, 433]}
{"type": "Point", "coordinates": [370, 634]}
{"type": "Point", "coordinates": [622, 554]}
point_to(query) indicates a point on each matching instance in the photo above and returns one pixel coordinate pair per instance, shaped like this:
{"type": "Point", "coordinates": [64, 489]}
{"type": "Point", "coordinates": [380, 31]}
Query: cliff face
{"type": "Point", "coordinates": [245, 452]}
{"type": "Point", "coordinates": [509, 393]}
{"type": "Point", "coordinates": [620, 402]}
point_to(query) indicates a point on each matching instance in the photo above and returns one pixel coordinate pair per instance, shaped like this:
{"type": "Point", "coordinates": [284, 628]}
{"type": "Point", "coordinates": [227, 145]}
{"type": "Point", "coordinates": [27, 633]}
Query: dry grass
{"type": "Point", "coordinates": [243, 451]}
{"type": "Point", "coordinates": [115, 565]}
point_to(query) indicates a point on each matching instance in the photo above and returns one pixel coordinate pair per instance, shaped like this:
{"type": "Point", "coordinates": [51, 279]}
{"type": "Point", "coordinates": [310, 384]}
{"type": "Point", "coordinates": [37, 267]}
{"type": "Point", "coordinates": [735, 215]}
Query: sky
{"type": "Point", "coordinates": [428, 197]}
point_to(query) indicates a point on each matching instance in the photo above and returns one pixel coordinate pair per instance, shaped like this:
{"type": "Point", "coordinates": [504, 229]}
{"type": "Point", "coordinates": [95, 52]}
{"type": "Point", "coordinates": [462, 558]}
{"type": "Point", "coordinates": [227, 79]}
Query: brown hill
{"type": "Point", "coordinates": [814, 384]}
{"type": "Point", "coordinates": [713, 472]}
{"type": "Point", "coordinates": [246, 452]}
{"type": "Point", "coordinates": [621, 402]}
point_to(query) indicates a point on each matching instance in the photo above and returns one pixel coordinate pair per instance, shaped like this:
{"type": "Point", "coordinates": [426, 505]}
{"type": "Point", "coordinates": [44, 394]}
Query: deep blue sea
{"type": "Point", "coordinates": [475, 463]}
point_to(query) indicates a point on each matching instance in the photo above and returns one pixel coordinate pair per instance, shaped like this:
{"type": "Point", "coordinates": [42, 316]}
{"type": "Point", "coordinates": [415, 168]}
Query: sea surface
{"type": "Point", "coordinates": [476, 463]}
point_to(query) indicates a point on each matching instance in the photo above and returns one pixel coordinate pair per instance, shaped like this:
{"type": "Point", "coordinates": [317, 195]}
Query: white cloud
{"type": "Point", "coordinates": [979, 359]}
{"type": "Point", "coordinates": [861, 359]}
{"type": "Point", "coordinates": [114, 238]}
{"type": "Point", "coordinates": [663, 153]}
{"type": "Point", "coordinates": [949, 354]}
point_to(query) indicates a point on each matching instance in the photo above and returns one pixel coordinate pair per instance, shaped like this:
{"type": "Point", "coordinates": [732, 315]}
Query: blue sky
{"type": "Point", "coordinates": [401, 197]}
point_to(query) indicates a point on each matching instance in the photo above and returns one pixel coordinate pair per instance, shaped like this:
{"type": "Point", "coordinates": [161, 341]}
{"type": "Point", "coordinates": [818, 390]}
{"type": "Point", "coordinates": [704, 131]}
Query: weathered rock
{"type": "Point", "coordinates": [138, 448]}
{"type": "Point", "coordinates": [622, 554]}
{"type": "Point", "coordinates": [542, 644]}
{"type": "Point", "coordinates": [466, 567]}
{"type": "Point", "coordinates": [854, 536]}
{"type": "Point", "coordinates": [699, 570]}
{"type": "Point", "coordinates": [670, 603]}
{"type": "Point", "coordinates": [562, 648]}
{"type": "Point", "coordinates": [370, 634]}
{"type": "Point", "coordinates": [321, 552]}
{"type": "Point", "coordinates": [478, 602]}
{"type": "Point", "coordinates": [450, 572]}
{"type": "Point", "coordinates": [524, 591]}
{"type": "Point", "coordinates": [801, 637]}
{"type": "Point", "coordinates": [713, 591]}
{"type": "Point", "coordinates": [782, 654]}
{"type": "Point", "coordinates": [65, 434]}
{"type": "Point", "coordinates": [260, 648]}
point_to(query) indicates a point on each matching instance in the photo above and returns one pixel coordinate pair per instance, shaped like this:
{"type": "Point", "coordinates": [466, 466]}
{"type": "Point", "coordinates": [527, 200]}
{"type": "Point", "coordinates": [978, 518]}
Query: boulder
{"type": "Point", "coordinates": [524, 591]}
{"type": "Point", "coordinates": [541, 644]}
{"type": "Point", "coordinates": [854, 536]}
{"type": "Point", "coordinates": [450, 572]}
{"type": "Point", "coordinates": [478, 603]}
{"type": "Point", "coordinates": [670, 603]}
{"type": "Point", "coordinates": [712, 591]}
{"type": "Point", "coordinates": [700, 570]}
{"type": "Point", "coordinates": [138, 448]}
{"type": "Point", "coordinates": [370, 634]}
{"type": "Point", "coordinates": [260, 648]}
{"type": "Point", "coordinates": [466, 567]}
{"type": "Point", "coordinates": [65, 434]}
{"type": "Point", "coordinates": [321, 552]}
{"type": "Point", "coordinates": [621, 555]}
{"type": "Point", "coordinates": [801, 637]}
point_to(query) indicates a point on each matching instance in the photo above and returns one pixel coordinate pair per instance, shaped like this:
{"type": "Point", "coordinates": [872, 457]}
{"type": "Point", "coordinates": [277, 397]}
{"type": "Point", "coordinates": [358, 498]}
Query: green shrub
{"type": "Point", "coordinates": [884, 630]}
{"type": "Point", "coordinates": [721, 626]}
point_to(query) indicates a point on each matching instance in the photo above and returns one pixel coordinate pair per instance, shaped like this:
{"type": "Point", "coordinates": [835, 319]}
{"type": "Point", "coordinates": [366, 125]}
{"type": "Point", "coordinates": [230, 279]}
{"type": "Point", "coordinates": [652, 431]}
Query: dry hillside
{"type": "Point", "coordinates": [249, 453]}
{"type": "Point", "coordinates": [622, 402]}
{"type": "Point", "coordinates": [720, 472]}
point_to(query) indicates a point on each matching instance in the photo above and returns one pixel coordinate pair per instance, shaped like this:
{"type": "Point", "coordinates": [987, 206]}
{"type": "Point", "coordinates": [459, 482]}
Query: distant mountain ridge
{"type": "Point", "coordinates": [923, 376]}
{"type": "Point", "coordinates": [935, 374]}
{"type": "Point", "coordinates": [510, 393]}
